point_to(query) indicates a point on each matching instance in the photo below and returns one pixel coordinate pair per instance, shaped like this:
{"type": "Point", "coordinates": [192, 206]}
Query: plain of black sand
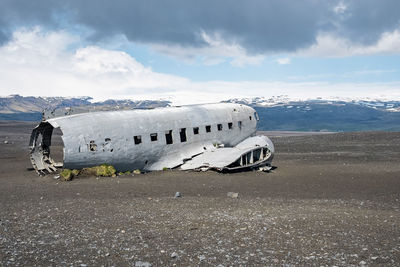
{"type": "Point", "coordinates": [333, 199]}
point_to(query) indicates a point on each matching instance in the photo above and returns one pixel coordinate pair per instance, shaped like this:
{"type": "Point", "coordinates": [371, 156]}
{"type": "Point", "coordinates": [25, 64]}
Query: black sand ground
{"type": "Point", "coordinates": [334, 199]}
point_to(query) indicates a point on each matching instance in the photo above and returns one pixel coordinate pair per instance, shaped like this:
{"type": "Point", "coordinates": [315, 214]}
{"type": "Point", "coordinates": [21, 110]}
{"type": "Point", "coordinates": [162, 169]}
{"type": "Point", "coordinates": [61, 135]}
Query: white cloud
{"type": "Point", "coordinates": [38, 63]}
{"type": "Point", "coordinates": [328, 45]}
{"type": "Point", "coordinates": [49, 64]}
{"type": "Point", "coordinates": [283, 61]}
{"type": "Point", "coordinates": [218, 50]}
{"type": "Point", "coordinates": [340, 8]}
{"type": "Point", "coordinates": [32, 46]}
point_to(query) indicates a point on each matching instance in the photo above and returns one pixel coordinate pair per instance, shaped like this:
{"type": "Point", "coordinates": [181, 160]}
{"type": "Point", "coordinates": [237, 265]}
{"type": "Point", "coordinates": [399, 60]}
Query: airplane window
{"type": "Point", "coordinates": [244, 160]}
{"type": "Point", "coordinates": [230, 125]}
{"type": "Point", "coordinates": [137, 139]}
{"type": "Point", "coordinates": [265, 152]}
{"type": "Point", "coordinates": [182, 133]}
{"type": "Point", "coordinates": [208, 128]}
{"type": "Point", "coordinates": [219, 126]}
{"type": "Point", "coordinates": [240, 124]}
{"type": "Point", "coordinates": [195, 130]}
{"type": "Point", "coordinates": [256, 154]}
{"type": "Point", "coordinates": [248, 156]}
{"type": "Point", "coordinates": [168, 137]}
{"type": "Point", "coordinates": [153, 137]}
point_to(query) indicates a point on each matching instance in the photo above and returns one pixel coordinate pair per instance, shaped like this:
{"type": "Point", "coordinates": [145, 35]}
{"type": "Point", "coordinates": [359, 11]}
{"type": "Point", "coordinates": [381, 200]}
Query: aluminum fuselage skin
{"type": "Point", "coordinates": [92, 139]}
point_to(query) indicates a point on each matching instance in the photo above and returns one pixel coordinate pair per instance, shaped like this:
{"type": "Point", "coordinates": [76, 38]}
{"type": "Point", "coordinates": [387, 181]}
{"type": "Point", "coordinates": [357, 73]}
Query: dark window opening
{"type": "Point", "coordinates": [219, 126]}
{"type": "Point", "coordinates": [256, 154]}
{"type": "Point", "coordinates": [195, 130]}
{"type": "Point", "coordinates": [92, 146]}
{"type": "Point", "coordinates": [244, 160]}
{"type": "Point", "coordinates": [208, 128]}
{"type": "Point", "coordinates": [137, 139]}
{"type": "Point", "coordinates": [153, 137]}
{"type": "Point", "coordinates": [168, 137]}
{"type": "Point", "coordinates": [107, 140]}
{"type": "Point", "coordinates": [248, 156]}
{"type": "Point", "coordinates": [230, 125]}
{"type": "Point", "coordinates": [240, 124]}
{"type": "Point", "coordinates": [182, 133]}
{"type": "Point", "coordinates": [249, 117]}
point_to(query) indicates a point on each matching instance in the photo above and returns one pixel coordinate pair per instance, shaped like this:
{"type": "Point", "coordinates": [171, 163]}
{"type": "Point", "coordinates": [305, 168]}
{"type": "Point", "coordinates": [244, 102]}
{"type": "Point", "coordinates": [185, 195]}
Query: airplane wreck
{"type": "Point", "coordinates": [220, 136]}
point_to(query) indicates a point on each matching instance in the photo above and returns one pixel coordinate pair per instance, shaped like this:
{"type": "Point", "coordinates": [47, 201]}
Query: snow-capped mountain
{"type": "Point", "coordinates": [18, 107]}
{"type": "Point", "coordinates": [286, 101]}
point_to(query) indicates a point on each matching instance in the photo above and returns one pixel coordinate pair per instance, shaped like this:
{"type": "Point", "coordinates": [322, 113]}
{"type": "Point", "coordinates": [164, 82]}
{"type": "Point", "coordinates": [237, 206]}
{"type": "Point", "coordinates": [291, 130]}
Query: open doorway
{"type": "Point", "coordinates": [45, 140]}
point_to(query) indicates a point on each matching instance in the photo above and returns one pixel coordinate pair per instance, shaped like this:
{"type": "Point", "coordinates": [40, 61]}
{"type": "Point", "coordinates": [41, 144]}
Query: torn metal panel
{"type": "Point", "coordinates": [144, 139]}
{"type": "Point", "coordinates": [177, 158]}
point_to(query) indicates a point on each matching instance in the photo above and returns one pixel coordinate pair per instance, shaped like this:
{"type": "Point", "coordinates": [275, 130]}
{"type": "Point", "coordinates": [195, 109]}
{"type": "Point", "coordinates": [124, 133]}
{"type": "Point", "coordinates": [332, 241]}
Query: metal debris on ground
{"type": "Point", "coordinates": [232, 195]}
{"type": "Point", "coordinates": [265, 169]}
{"type": "Point", "coordinates": [174, 255]}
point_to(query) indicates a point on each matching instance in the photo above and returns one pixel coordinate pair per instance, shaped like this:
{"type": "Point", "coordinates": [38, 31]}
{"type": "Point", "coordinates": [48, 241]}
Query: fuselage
{"type": "Point", "coordinates": [151, 139]}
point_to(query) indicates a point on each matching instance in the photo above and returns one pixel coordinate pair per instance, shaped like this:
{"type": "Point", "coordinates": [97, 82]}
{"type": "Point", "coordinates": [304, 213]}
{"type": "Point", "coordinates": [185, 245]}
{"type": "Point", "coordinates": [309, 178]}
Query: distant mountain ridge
{"type": "Point", "coordinates": [282, 113]}
{"type": "Point", "coordinates": [16, 107]}
{"type": "Point", "coordinates": [276, 113]}
{"type": "Point", "coordinates": [29, 104]}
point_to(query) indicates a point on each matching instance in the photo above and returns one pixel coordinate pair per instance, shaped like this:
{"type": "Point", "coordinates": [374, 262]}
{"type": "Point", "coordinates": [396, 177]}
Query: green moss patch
{"type": "Point", "coordinates": [67, 174]}
{"type": "Point", "coordinates": [103, 170]}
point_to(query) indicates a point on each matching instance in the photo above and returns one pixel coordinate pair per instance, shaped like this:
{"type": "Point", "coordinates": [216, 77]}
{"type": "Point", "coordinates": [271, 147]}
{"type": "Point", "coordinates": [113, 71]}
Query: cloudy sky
{"type": "Point", "coordinates": [200, 51]}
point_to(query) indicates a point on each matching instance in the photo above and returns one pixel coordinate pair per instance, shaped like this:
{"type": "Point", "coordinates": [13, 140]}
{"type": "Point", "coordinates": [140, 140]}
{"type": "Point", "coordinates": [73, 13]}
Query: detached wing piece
{"type": "Point", "coordinates": [253, 152]}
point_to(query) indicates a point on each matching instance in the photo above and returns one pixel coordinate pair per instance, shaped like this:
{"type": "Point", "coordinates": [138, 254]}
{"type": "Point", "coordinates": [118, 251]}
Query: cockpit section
{"type": "Point", "coordinates": [253, 158]}
{"type": "Point", "coordinates": [253, 152]}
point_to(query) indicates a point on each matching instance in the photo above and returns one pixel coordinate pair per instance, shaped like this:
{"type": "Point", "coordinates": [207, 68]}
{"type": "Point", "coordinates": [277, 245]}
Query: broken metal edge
{"type": "Point", "coordinates": [39, 145]}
